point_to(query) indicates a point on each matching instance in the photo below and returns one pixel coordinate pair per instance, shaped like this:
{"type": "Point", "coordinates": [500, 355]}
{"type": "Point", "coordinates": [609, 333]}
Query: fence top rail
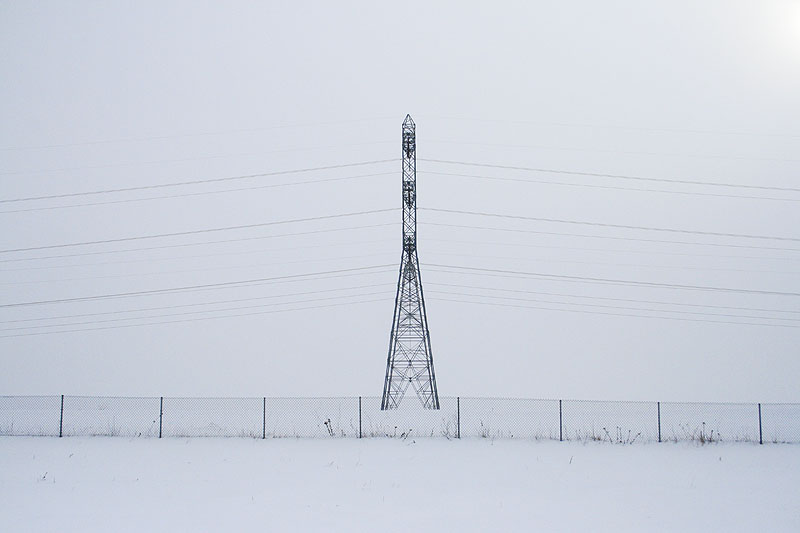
{"type": "Point", "coordinates": [503, 398]}
{"type": "Point", "coordinates": [28, 396]}
{"type": "Point", "coordinates": [353, 398]}
{"type": "Point", "coordinates": [87, 397]}
{"type": "Point", "coordinates": [643, 402]}
{"type": "Point", "coordinates": [222, 398]}
{"type": "Point", "coordinates": [732, 404]}
{"type": "Point", "coordinates": [319, 397]}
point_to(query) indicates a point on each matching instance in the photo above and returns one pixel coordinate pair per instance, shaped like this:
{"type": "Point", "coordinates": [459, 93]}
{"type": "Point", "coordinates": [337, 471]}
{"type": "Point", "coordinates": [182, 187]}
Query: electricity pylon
{"type": "Point", "coordinates": [410, 360]}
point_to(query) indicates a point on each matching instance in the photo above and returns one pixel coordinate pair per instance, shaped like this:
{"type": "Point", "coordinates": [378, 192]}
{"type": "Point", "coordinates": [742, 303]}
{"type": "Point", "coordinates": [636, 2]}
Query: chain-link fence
{"type": "Point", "coordinates": [30, 415]}
{"type": "Point", "coordinates": [357, 417]}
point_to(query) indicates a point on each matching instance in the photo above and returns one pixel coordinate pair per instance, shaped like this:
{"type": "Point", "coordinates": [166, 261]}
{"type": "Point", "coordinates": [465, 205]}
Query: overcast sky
{"type": "Point", "coordinates": [98, 96]}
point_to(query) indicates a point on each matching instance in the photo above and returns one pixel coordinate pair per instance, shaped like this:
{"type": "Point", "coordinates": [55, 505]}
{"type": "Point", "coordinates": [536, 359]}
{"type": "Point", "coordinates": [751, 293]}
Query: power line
{"type": "Point", "coordinates": [189, 287]}
{"type": "Point", "coordinates": [608, 250]}
{"type": "Point", "coordinates": [193, 270]}
{"type": "Point", "coordinates": [196, 319]}
{"type": "Point", "coordinates": [618, 281]}
{"type": "Point", "coordinates": [616, 238]}
{"type": "Point", "coordinates": [192, 194]}
{"type": "Point", "coordinates": [617, 127]}
{"type": "Point", "coordinates": [202, 243]}
{"type": "Point", "coordinates": [181, 306]}
{"type": "Point", "coordinates": [195, 232]}
{"type": "Point", "coordinates": [613, 187]}
{"type": "Point", "coordinates": [573, 262]}
{"type": "Point", "coordinates": [517, 291]}
{"type": "Point", "coordinates": [616, 176]}
{"type": "Point", "coordinates": [615, 314]}
{"type": "Point", "coordinates": [625, 308]}
{"type": "Point", "coordinates": [606, 151]}
{"type": "Point", "coordinates": [196, 256]}
{"type": "Point", "coordinates": [188, 159]}
{"type": "Point", "coordinates": [632, 265]}
{"type": "Point", "coordinates": [185, 135]}
{"type": "Point", "coordinates": [239, 308]}
{"type": "Point", "coordinates": [660, 302]}
{"type": "Point", "coordinates": [448, 241]}
{"type": "Point", "coordinates": [460, 226]}
{"type": "Point", "coordinates": [197, 182]}
{"type": "Point", "coordinates": [608, 225]}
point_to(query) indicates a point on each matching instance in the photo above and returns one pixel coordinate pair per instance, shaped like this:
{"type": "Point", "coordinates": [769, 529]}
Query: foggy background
{"type": "Point", "coordinates": [102, 96]}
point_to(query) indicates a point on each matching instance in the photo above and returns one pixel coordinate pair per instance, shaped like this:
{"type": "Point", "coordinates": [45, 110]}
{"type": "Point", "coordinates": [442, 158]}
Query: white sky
{"type": "Point", "coordinates": [97, 96]}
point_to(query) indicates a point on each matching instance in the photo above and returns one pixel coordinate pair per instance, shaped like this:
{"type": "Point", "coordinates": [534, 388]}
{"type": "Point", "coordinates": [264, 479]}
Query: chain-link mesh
{"type": "Point", "coordinates": [312, 417]}
{"type": "Point", "coordinates": [504, 418]}
{"type": "Point", "coordinates": [709, 422]}
{"type": "Point", "coordinates": [780, 422]}
{"type": "Point", "coordinates": [410, 420]}
{"type": "Point", "coordinates": [30, 415]}
{"type": "Point", "coordinates": [110, 416]}
{"type": "Point", "coordinates": [617, 422]}
{"type": "Point", "coordinates": [212, 417]}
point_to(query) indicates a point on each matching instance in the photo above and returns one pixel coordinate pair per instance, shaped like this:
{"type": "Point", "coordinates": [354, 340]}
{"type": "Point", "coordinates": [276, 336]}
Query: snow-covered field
{"type": "Point", "coordinates": [178, 484]}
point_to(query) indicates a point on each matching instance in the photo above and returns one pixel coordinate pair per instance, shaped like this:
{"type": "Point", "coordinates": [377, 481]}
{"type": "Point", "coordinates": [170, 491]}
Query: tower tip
{"type": "Point", "coordinates": [408, 121]}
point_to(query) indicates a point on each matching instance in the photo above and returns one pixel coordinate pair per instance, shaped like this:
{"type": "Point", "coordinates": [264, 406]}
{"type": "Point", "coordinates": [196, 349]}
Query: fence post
{"type": "Point", "coordinates": [659, 420]}
{"type": "Point", "coordinates": [760, 434]}
{"type": "Point", "coordinates": [458, 417]}
{"type": "Point", "coordinates": [61, 418]}
{"type": "Point", "coordinates": [264, 419]}
{"type": "Point", "coordinates": [359, 417]}
{"type": "Point", "coordinates": [560, 423]}
{"type": "Point", "coordinates": [160, 415]}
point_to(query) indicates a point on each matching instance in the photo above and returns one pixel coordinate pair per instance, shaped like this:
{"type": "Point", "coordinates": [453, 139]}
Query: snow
{"type": "Point", "coordinates": [217, 484]}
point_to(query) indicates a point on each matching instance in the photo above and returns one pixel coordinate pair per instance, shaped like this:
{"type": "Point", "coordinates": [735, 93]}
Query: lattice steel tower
{"type": "Point", "coordinates": [410, 360]}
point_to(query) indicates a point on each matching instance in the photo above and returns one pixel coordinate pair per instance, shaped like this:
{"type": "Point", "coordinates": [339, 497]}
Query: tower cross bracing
{"type": "Point", "coordinates": [410, 360]}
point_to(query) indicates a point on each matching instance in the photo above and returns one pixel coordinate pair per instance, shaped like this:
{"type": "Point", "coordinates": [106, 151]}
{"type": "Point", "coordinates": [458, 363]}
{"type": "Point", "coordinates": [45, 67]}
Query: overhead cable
{"type": "Point", "coordinates": [497, 304]}
{"type": "Point", "coordinates": [605, 250]}
{"type": "Point", "coordinates": [195, 304]}
{"type": "Point", "coordinates": [190, 159]}
{"type": "Point", "coordinates": [194, 270]}
{"type": "Point", "coordinates": [185, 313]}
{"type": "Point", "coordinates": [606, 306]}
{"type": "Point", "coordinates": [612, 237]}
{"type": "Point", "coordinates": [609, 225]}
{"type": "Point", "coordinates": [195, 319]}
{"type": "Point", "coordinates": [185, 135]}
{"type": "Point", "coordinates": [607, 151]}
{"type": "Point", "coordinates": [611, 187]}
{"type": "Point", "coordinates": [618, 281]}
{"type": "Point", "coordinates": [193, 194]}
{"type": "Point", "coordinates": [608, 298]}
{"type": "Point", "coordinates": [195, 232]}
{"type": "Point", "coordinates": [617, 176]}
{"type": "Point", "coordinates": [197, 182]}
{"type": "Point", "coordinates": [197, 256]}
{"type": "Point", "coordinates": [616, 127]}
{"type": "Point", "coordinates": [183, 288]}
{"type": "Point", "coordinates": [201, 243]}
{"type": "Point", "coordinates": [605, 264]}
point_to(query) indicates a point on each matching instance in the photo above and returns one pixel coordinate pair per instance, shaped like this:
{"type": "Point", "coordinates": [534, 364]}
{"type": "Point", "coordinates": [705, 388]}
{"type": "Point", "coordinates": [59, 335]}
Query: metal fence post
{"type": "Point", "coordinates": [359, 417]}
{"type": "Point", "coordinates": [560, 423]}
{"type": "Point", "coordinates": [160, 416]}
{"type": "Point", "coordinates": [760, 434]}
{"type": "Point", "coordinates": [61, 418]}
{"type": "Point", "coordinates": [458, 417]}
{"type": "Point", "coordinates": [659, 420]}
{"type": "Point", "coordinates": [264, 419]}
